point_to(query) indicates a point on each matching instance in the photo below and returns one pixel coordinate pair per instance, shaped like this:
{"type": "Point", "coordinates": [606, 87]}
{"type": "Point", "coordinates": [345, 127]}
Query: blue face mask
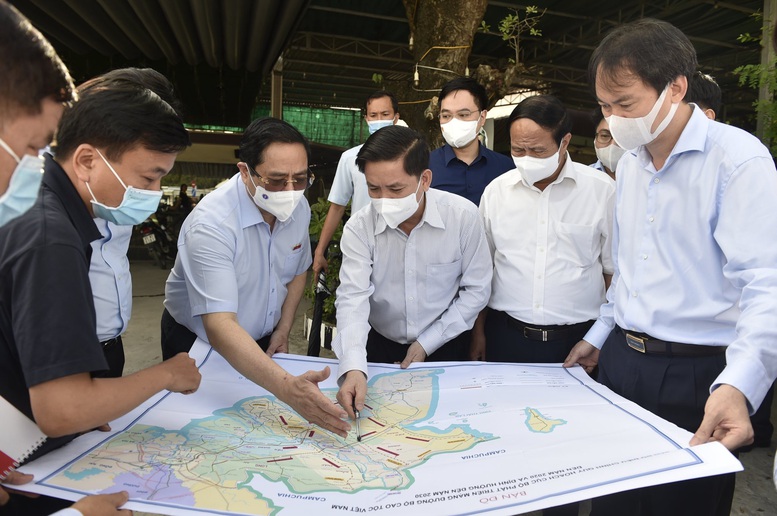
{"type": "Point", "coordinates": [23, 187]}
{"type": "Point", "coordinates": [136, 206]}
{"type": "Point", "coordinates": [374, 125]}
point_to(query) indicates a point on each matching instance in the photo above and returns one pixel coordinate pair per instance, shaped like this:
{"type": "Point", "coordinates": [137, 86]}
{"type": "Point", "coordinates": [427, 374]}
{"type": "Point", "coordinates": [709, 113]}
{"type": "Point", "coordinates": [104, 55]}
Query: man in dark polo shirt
{"type": "Point", "coordinates": [107, 166]}
{"type": "Point", "coordinates": [464, 166]}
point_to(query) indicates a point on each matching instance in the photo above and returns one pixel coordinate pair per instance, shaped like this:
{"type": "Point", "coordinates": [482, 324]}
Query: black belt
{"type": "Point", "coordinates": [108, 342]}
{"type": "Point", "coordinates": [543, 333]}
{"type": "Point", "coordinates": [644, 343]}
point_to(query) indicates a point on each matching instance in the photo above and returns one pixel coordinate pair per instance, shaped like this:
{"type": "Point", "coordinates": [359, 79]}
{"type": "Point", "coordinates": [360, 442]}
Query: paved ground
{"type": "Point", "coordinates": [755, 492]}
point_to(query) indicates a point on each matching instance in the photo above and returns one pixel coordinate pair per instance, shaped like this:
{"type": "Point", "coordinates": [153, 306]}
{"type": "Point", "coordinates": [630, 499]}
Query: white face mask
{"type": "Point", "coordinates": [536, 169]}
{"type": "Point", "coordinates": [630, 133]}
{"type": "Point", "coordinates": [396, 211]}
{"type": "Point", "coordinates": [459, 133]}
{"type": "Point", "coordinates": [610, 155]}
{"type": "Point", "coordinates": [280, 204]}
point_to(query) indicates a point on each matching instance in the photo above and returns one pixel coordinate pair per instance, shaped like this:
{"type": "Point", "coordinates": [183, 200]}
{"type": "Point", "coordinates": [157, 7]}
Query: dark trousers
{"type": "Point", "coordinates": [114, 353]}
{"type": "Point", "coordinates": [507, 342]}
{"type": "Point", "coordinates": [385, 351]}
{"type": "Point", "coordinates": [676, 389]}
{"type": "Point", "coordinates": [20, 505]}
{"type": "Point", "coordinates": [177, 338]}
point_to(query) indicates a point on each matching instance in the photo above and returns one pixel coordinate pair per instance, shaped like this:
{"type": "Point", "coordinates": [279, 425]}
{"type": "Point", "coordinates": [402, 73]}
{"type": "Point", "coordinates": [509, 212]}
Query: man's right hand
{"type": "Point", "coordinates": [184, 375]}
{"type": "Point", "coordinates": [319, 263]}
{"type": "Point", "coordinates": [584, 354]}
{"type": "Point", "coordinates": [103, 505]}
{"type": "Point", "coordinates": [303, 395]}
{"type": "Point", "coordinates": [352, 392]}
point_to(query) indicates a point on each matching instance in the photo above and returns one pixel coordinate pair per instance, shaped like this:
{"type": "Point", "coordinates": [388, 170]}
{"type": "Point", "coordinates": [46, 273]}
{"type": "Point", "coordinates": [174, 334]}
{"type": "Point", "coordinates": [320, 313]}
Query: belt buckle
{"type": "Point", "coordinates": [544, 333]}
{"type": "Point", "coordinates": [635, 343]}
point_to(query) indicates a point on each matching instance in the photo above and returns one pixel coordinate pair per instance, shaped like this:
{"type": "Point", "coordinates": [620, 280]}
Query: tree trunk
{"type": "Point", "coordinates": [436, 23]}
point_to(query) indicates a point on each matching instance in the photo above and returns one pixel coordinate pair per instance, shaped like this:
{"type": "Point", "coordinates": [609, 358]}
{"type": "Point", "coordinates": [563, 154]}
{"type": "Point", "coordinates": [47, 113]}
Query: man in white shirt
{"type": "Point", "coordinates": [415, 271]}
{"type": "Point", "coordinates": [548, 226]}
{"type": "Point", "coordinates": [241, 268]}
{"type": "Point", "coordinates": [380, 110]}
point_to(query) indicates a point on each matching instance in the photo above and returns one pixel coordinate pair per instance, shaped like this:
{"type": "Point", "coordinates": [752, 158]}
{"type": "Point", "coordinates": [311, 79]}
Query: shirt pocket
{"type": "Point", "coordinates": [576, 244]}
{"type": "Point", "coordinates": [442, 280]}
{"type": "Point", "coordinates": [290, 266]}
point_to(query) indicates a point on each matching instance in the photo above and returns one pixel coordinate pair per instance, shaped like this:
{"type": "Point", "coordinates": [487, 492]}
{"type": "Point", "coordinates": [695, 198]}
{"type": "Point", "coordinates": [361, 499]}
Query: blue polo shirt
{"type": "Point", "coordinates": [451, 174]}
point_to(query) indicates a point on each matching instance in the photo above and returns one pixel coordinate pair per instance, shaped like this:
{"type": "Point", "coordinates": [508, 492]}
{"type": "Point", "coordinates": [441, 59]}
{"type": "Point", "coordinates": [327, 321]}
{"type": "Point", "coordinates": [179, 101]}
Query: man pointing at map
{"type": "Point", "coordinates": [416, 267]}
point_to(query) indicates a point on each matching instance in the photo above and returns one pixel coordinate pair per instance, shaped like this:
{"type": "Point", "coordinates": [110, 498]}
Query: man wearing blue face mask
{"type": "Point", "coordinates": [415, 270]}
{"type": "Point", "coordinates": [690, 324]}
{"type": "Point", "coordinates": [464, 166]}
{"type": "Point", "coordinates": [242, 263]}
{"type": "Point", "coordinates": [105, 166]}
{"type": "Point", "coordinates": [380, 110]}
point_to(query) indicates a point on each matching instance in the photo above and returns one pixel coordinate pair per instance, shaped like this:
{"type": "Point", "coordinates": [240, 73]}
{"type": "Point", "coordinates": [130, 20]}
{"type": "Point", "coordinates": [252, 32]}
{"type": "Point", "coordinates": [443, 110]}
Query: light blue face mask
{"type": "Point", "coordinates": [23, 187]}
{"type": "Point", "coordinates": [136, 206]}
{"type": "Point", "coordinates": [374, 125]}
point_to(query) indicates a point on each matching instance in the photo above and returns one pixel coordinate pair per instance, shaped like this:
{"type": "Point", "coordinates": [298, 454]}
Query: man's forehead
{"type": "Point", "coordinates": [458, 99]}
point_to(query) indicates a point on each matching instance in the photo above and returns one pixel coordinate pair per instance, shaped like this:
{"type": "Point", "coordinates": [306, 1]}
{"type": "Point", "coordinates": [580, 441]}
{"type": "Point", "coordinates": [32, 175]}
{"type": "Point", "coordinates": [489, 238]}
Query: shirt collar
{"type": "Point", "coordinates": [449, 155]}
{"type": "Point", "coordinates": [57, 180]}
{"type": "Point", "coordinates": [692, 138]}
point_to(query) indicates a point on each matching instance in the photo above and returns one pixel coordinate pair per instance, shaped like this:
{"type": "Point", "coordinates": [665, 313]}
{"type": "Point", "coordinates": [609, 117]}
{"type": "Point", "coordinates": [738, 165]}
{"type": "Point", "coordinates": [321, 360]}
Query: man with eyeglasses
{"type": "Point", "coordinates": [463, 165]}
{"type": "Point", "coordinates": [607, 150]}
{"type": "Point", "coordinates": [243, 256]}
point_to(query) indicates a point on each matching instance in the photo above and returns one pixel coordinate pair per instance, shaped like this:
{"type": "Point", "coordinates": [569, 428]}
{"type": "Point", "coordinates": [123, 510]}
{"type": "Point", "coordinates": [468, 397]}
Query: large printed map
{"type": "Point", "coordinates": [436, 439]}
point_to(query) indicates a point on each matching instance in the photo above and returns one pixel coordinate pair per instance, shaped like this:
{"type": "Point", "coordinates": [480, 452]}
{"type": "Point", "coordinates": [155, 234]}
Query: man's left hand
{"type": "Point", "coordinates": [279, 343]}
{"type": "Point", "coordinates": [726, 419]}
{"type": "Point", "coordinates": [415, 353]}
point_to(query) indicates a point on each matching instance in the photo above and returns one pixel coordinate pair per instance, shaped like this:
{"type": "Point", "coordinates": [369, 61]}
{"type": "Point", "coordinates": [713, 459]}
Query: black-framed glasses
{"type": "Point", "coordinates": [603, 137]}
{"type": "Point", "coordinates": [298, 181]}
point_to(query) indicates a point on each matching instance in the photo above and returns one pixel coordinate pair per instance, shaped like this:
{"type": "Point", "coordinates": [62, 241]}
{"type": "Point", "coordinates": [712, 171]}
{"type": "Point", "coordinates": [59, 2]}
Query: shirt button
{"type": "Point", "coordinates": [656, 180]}
{"type": "Point", "coordinates": [542, 249]}
{"type": "Point", "coordinates": [651, 219]}
{"type": "Point", "coordinates": [644, 257]}
{"type": "Point", "coordinates": [633, 294]}
{"type": "Point", "coordinates": [537, 305]}
{"type": "Point", "coordinates": [542, 222]}
{"type": "Point", "coordinates": [410, 298]}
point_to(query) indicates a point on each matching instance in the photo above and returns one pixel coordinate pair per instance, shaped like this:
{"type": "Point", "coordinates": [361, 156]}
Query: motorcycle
{"type": "Point", "coordinates": [159, 240]}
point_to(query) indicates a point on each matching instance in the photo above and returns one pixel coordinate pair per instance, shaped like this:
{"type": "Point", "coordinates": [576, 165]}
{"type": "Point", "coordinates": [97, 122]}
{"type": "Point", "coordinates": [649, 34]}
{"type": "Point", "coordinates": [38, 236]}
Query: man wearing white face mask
{"type": "Point", "coordinates": [690, 324]}
{"type": "Point", "coordinates": [241, 268]}
{"type": "Point", "coordinates": [607, 151]}
{"type": "Point", "coordinates": [464, 166]}
{"type": "Point", "coordinates": [380, 110]}
{"type": "Point", "coordinates": [548, 226]}
{"type": "Point", "coordinates": [415, 269]}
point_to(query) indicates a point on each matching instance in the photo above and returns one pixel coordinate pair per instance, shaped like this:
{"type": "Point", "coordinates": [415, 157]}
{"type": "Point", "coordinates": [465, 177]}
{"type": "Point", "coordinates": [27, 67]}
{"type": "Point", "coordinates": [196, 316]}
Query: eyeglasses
{"type": "Point", "coordinates": [463, 115]}
{"type": "Point", "coordinates": [603, 138]}
{"type": "Point", "coordinates": [298, 182]}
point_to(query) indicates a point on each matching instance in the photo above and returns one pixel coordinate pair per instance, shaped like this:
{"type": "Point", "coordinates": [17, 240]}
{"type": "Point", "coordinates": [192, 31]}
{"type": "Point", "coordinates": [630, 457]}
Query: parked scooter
{"type": "Point", "coordinates": [159, 240]}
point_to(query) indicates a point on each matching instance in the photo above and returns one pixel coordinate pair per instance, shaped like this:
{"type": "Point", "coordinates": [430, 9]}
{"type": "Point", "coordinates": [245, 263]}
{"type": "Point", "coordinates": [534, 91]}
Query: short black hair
{"type": "Point", "coordinates": [596, 116]}
{"type": "Point", "coordinates": [546, 111]}
{"type": "Point", "coordinates": [392, 143]}
{"type": "Point", "coordinates": [263, 132]}
{"type": "Point", "coordinates": [379, 95]}
{"type": "Point", "coordinates": [655, 51]}
{"type": "Point", "coordinates": [30, 69]}
{"type": "Point", "coordinates": [151, 79]}
{"type": "Point", "coordinates": [467, 84]}
{"type": "Point", "coordinates": [704, 91]}
{"type": "Point", "coordinates": [118, 112]}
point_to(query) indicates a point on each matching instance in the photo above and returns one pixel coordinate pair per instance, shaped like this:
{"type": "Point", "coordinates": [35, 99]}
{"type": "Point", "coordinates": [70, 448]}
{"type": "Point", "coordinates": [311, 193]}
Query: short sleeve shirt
{"type": "Point", "coordinates": [229, 261]}
{"type": "Point", "coordinates": [349, 183]}
{"type": "Point", "coordinates": [47, 318]}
